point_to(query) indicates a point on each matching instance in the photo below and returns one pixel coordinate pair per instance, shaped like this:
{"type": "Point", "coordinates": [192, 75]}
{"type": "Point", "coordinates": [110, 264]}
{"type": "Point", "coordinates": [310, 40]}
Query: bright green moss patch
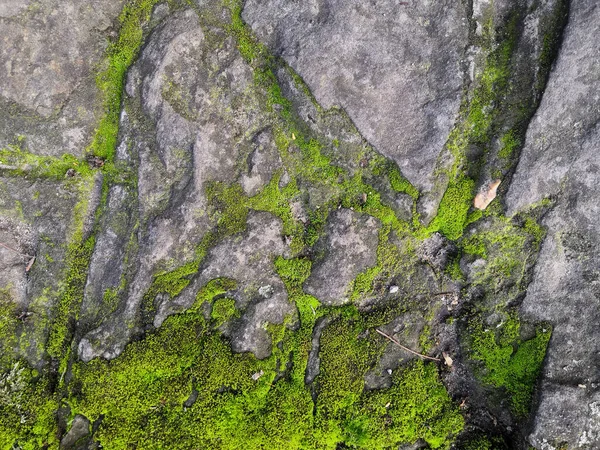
{"type": "Point", "coordinates": [223, 310]}
{"type": "Point", "coordinates": [175, 281]}
{"type": "Point", "coordinates": [417, 406]}
{"type": "Point", "coordinates": [451, 218]}
{"type": "Point", "coordinates": [23, 163]}
{"type": "Point", "coordinates": [27, 409]}
{"type": "Point", "coordinates": [507, 361]}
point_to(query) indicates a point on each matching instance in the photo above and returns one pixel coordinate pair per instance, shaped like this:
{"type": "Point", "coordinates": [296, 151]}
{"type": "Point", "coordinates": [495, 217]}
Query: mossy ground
{"type": "Point", "coordinates": [243, 402]}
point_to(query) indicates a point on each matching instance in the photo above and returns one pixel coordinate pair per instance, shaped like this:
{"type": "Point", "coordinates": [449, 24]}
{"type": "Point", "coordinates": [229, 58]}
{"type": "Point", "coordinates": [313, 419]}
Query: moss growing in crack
{"type": "Point", "coordinates": [9, 323]}
{"type": "Point", "coordinates": [508, 362]}
{"type": "Point", "coordinates": [451, 218]}
{"type": "Point", "coordinates": [120, 55]}
{"type": "Point", "coordinates": [22, 163]}
{"type": "Point", "coordinates": [475, 130]}
{"type": "Point", "coordinates": [510, 143]}
{"type": "Point", "coordinates": [552, 35]}
{"type": "Point", "coordinates": [383, 167]}
{"type": "Point", "coordinates": [78, 258]}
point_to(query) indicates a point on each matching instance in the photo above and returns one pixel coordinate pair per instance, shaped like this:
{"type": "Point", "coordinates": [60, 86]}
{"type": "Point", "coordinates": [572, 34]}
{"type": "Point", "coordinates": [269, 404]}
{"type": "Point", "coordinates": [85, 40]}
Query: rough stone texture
{"type": "Point", "coordinates": [393, 66]}
{"type": "Point", "coordinates": [349, 248]}
{"type": "Point", "coordinates": [260, 293]}
{"type": "Point", "coordinates": [560, 159]}
{"type": "Point", "coordinates": [35, 219]}
{"type": "Point", "coordinates": [80, 428]}
{"type": "Point", "coordinates": [49, 52]}
{"type": "Point", "coordinates": [192, 114]}
{"type": "Point", "coordinates": [436, 251]}
{"type": "Point", "coordinates": [181, 134]}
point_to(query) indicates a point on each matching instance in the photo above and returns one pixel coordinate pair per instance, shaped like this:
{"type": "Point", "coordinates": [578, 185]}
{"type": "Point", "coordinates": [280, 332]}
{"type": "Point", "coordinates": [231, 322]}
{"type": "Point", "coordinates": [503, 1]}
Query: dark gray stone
{"type": "Point", "coordinates": [80, 429]}
{"type": "Point", "coordinates": [560, 160]}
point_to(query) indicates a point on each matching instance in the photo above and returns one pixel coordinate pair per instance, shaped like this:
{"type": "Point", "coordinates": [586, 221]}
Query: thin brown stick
{"type": "Point", "coordinates": [14, 250]}
{"type": "Point", "coordinates": [405, 348]}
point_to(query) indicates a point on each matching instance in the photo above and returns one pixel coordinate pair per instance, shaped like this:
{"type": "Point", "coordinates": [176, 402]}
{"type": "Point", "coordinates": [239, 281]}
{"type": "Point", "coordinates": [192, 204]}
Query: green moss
{"type": "Point", "coordinates": [248, 403]}
{"type": "Point", "coordinates": [31, 165]}
{"type": "Point", "coordinates": [277, 201]}
{"type": "Point", "coordinates": [229, 207]}
{"type": "Point", "coordinates": [451, 218]}
{"type": "Point", "coordinates": [482, 442]}
{"type": "Point", "coordinates": [510, 143]}
{"type": "Point", "coordinates": [507, 248]}
{"type": "Point", "coordinates": [417, 406]}
{"type": "Point", "coordinates": [509, 362]}
{"type": "Point", "coordinates": [453, 269]}
{"type": "Point", "coordinates": [66, 314]}
{"type": "Point", "coordinates": [390, 259]}
{"type": "Point", "coordinates": [223, 310]}
{"type": "Point", "coordinates": [248, 45]}
{"type": "Point", "coordinates": [27, 409]}
{"type": "Point", "coordinates": [8, 327]}
{"type": "Point", "coordinates": [119, 56]}
{"type": "Point", "coordinates": [383, 167]}
{"type": "Point", "coordinates": [175, 281]}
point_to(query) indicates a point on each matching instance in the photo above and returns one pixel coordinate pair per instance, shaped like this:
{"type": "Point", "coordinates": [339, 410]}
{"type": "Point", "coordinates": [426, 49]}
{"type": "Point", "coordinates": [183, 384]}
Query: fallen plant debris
{"type": "Point", "coordinates": [420, 355]}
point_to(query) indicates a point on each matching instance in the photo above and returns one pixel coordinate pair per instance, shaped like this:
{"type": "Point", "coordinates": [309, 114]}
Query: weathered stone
{"type": "Point", "coordinates": [394, 67]}
{"type": "Point", "coordinates": [48, 57]}
{"type": "Point", "coordinates": [559, 160]}
{"type": "Point", "coordinates": [349, 247]}
{"type": "Point", "coordinates": [80, 428]}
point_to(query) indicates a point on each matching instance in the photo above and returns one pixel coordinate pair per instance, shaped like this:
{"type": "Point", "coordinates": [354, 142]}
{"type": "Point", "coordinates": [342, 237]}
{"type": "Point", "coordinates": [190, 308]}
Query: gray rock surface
{"type": "Point", "coordinates": [180, 134]}
{"type": "Point", "coordinates": [395, 67]}
{"type": "Point", "coordinates": [349, 247]}
{"type": "Point", "coordinates": [80, 429]}
{"type": "Point", "coordinates": [49, 53]}
{"type": "Point", "coordinates": [560, 160]}
{"type": "Point", "coordinates": [200, 113]}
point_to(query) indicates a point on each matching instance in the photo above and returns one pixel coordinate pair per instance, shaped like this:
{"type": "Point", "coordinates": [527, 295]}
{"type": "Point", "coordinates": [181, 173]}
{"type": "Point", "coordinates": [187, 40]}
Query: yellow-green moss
{"type": "Point", "coordinates": [508, 362]}
{"type": "Point", "coordinates": [35, 166]}
{"type": "Point", "coordinates": [120, 55]}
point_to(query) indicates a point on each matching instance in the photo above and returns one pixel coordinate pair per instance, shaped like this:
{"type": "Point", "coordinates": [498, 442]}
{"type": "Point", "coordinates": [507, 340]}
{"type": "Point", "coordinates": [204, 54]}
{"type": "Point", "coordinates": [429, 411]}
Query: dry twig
{"type": "Point", "coordinates": [16, 251]}
{"type": "Point", "coordinates": [405, 348]}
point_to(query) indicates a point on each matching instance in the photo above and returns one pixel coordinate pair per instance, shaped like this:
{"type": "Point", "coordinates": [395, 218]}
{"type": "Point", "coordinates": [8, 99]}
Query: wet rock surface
{"type": "Point", "coordinates": [319, 224]}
